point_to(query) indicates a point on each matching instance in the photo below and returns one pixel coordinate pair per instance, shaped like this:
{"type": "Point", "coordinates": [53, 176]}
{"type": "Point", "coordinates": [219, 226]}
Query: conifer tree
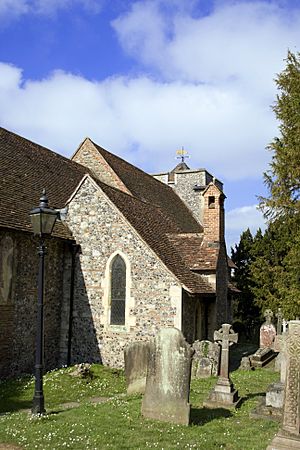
{"type": "Point", "coordinates": [276, 273]}
{"type": "Point", "coordinates": [283, 178]}
{"type": "Point", "coordinates": [244, 308]}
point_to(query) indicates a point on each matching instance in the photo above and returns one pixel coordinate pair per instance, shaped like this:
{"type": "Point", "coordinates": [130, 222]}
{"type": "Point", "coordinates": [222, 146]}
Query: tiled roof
{"type": "Point", "coordinates": [155, 212]}
{"type": "Point", "coordinates": [195, 252]}
{"type": "Point", "coordinates": [25, 169]}
{"type": "Point", "coordinates": [153, 225]}
{"type": "Point", "coordinates": [146, 188]}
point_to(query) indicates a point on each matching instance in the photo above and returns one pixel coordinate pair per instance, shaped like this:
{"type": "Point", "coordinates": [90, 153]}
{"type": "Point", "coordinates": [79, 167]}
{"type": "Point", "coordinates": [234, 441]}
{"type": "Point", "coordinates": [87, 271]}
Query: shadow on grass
{"type": "Point", "coordinates": [200, 416]}
{"type": "Point", "coordinates": [13, 395]}
{"type": "Point", "coordinates": [14, 405]}
{"type": "Point", "coordinates": [247, 397]}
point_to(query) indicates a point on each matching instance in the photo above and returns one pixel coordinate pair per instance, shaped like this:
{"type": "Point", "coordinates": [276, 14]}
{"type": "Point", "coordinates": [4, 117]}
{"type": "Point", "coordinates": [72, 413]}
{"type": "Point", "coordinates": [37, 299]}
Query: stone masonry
{"type": "Point", "coordinates": [153, 297]}
{"type": "Point", "coordinates": [17, 336]}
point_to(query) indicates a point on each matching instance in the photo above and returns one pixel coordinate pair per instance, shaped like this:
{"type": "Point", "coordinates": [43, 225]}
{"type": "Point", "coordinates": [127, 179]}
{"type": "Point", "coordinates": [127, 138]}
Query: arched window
{"type": "Point", "coordinates": [118, 291]}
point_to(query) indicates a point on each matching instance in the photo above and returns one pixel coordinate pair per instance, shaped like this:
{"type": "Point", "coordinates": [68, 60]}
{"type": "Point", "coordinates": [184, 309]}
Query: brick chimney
{"type": "Point", "coordinates": [213, 214]}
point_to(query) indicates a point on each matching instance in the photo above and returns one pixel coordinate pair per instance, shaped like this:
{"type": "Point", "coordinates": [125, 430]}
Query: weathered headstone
{"type": "Point", "coordinates": [279, 316]}
{"type": "Point", "coordinates": [224, 394]}
{"type": "Point", "coordinates": [289, 435]}
{"type": "Point", "coordinates": [136, 356]}
{"type": "Point", "coordinates": [274, 395]}
{"type": "Point", "coordinates": [168, 378]}
{"type": "Point", "coordinates": [206, 357]}
{"type": "Point", "coordinates": [267, 331]}
{"type": "Point", "coordinates": [262, 357]}
{"type": "Point", "coordinates": [245, 363]}
{"type": "Point", "coordinates": [6, 268]}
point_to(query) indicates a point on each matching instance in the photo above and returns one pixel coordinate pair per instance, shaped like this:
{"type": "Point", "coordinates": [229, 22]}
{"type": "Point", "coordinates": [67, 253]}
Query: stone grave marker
{"type": "Point", "coordinates": [262, 357]}
{"type": "Point", "coordinates": [279, 316]}
{"type": "Point", "coordinates": [245, 363]}
{"type": "Point", "coordinates": [289, 435]}
{"type": "Point", "coordinates": [206, 357]}
{"type": "Point", "coordinates": [168, 378]}
{"type": "Point", "coordinates": [267, 331]}
{"type": "Point", "coordinates": [136, 356]}
{"type": "Point", "coordinates": [224, 394]}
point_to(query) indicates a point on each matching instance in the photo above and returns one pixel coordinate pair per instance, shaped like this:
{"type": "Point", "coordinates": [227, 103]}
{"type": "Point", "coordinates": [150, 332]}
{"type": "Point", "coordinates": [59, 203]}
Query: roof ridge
{"type": "Point", "coordinates": [132, 165]}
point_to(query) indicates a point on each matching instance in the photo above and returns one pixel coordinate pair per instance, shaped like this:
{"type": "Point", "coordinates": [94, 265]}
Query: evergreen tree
{"type": "Point", "coordinates": [244, 308]}
{"type": "Point", "coordinates": [275, 273]}
{"type": "Point", "coordinates": [266, 267]}
{"type": "Point", "coordinates": [283, 178]}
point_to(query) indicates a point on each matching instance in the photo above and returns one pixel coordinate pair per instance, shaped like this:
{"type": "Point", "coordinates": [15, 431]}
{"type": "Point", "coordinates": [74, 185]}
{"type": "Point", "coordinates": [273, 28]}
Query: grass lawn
{"type": "Point", "coordinates": [117, 423]}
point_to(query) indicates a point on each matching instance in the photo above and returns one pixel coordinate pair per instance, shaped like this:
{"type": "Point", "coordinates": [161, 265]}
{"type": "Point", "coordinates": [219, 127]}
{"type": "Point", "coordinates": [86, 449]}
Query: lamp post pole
{"type": "Point", "coordinates": [38, 399]}
{"type": "Point", "coordinates": [43, 220]}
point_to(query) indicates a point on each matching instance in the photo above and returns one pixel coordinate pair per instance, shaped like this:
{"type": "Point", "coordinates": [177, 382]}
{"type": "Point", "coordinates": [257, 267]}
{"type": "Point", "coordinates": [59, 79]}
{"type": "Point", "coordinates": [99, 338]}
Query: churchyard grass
{"type": "Point", "coordinates": [118, 424]}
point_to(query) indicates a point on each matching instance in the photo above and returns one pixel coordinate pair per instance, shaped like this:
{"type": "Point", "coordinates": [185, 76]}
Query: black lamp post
{"type": "Point", "coordinates": [42, 219]}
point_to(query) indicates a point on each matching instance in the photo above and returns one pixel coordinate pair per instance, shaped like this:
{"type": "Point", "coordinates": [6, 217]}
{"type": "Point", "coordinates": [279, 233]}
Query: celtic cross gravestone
{"type": "Point", "coordinates": [224, 394]}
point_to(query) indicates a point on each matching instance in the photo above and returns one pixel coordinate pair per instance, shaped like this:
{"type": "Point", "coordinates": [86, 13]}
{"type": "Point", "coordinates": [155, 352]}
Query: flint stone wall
{"type": "Point", "coordinates": [18, 310]}
{"type": "Point", "coordinates": [154, 294]}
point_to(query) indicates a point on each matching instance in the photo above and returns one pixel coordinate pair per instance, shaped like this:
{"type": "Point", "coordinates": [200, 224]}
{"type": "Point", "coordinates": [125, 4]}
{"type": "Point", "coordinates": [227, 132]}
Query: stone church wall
{"type": "Point", "coordinates": [154, 295]}
{"type": "Point", "coordinates": [18, 302]}
{"type": "Point", "coordinates": [184, 187]}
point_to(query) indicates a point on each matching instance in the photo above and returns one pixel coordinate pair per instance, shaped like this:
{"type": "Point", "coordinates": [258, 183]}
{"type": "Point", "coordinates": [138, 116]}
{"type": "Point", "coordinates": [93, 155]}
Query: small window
{"type": "Point", "coordinates": [118, 291]}
{"type": "Point", "coordinates": [211, 201]}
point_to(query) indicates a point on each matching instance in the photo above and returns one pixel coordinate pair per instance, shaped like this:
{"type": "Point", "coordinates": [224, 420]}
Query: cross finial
{"type": "Point", "coordinates": [182, 154]}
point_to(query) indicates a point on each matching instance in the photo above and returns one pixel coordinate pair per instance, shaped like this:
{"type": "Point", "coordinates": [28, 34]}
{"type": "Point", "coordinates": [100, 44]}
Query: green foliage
{"type": "Point", "coordinates": [283, 178]}
{"type": "Point", "coordinates": [244, 307]}
{"type": "Point", "coordinates": [117, 424]}
{"type": "Point", "coordinates": [275, 271]}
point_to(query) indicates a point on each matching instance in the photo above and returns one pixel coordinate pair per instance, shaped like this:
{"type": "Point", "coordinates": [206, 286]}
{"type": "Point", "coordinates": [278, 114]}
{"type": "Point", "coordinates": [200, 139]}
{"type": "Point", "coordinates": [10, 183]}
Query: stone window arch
{"type": "Point", "coordinates": [117, 290]}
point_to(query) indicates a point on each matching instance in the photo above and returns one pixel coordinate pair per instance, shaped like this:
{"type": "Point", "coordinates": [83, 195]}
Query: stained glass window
{"type": "Point", "coordinates": [118, 291]}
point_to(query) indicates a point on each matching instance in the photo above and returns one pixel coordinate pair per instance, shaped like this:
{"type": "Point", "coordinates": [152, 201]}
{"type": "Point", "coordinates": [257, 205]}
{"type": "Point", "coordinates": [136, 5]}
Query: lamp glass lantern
{"type": "Point", "coordinates": [43, 217]}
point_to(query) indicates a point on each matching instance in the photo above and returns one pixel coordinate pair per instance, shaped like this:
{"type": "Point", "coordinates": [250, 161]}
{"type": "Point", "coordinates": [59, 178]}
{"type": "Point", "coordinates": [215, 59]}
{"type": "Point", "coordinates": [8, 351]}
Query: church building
{"type": "Point", "coordinates": [133, 253]}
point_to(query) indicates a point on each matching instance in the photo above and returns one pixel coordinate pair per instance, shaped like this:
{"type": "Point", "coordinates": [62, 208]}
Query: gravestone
{"type": "Point", "coordinates": [267, 331]}
{"type": "Point", "coordinates": [6, 269]}
{"type": "Point", "coordinates": [206, 357]}
{"type": "Point", "coordinates": [136, 356]}
{"type": "Point", "coordinates": [262, 357]}
{"type": "Point", "coordinates": [168, 378]}
{"type": "Point", "coordinates": [279, 316]}
{"type": "Point", "coordinates": [275, 395]}
{"type": "Point", "coordinates": [245, 363]}
{"type": "Point", "coordinates": [224, 394]}
{"type": "Point", "coordinates": [289, 435]}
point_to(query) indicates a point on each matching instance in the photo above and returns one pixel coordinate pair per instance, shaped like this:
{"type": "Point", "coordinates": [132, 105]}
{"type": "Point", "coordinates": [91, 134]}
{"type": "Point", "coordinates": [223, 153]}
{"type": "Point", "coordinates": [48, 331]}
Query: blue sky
{"type": "Point", "coordinates": [143, 78]}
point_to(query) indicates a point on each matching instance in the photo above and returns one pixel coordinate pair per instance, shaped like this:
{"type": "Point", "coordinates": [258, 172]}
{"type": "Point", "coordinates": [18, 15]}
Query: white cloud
{"type": "Point", "coordinates": [239, 219]}
{"type": "Point", "coordinates": [212, 95]}
{"type": "Point", "coordinates": [142, 119]}
{"type": "Point", "coordinates": [14, 8]}
{"type": "Point", "coordinates": [239, 44]}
